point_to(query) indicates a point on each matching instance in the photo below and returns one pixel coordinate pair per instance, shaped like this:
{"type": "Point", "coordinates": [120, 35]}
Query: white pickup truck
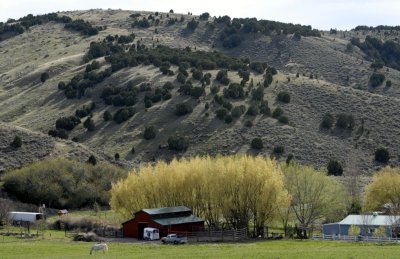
{"type": "Point", "coordinates": [173, 239]}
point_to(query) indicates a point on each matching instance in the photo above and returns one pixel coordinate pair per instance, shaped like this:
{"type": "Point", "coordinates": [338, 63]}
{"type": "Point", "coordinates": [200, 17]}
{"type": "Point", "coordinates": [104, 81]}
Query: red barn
{"type": "Point", "coordinates": [167, 220]}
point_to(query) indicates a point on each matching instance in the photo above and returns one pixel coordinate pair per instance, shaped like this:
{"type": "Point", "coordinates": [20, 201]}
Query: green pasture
{"type": "Point", "coordinates": [58, 246]}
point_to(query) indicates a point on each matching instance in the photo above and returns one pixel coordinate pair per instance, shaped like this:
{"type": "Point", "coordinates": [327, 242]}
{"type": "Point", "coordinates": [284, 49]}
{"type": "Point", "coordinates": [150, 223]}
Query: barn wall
{"type": "Point", "coordinates": [130, 228]}
{"type": "Point", "coordinates": [127, 229]}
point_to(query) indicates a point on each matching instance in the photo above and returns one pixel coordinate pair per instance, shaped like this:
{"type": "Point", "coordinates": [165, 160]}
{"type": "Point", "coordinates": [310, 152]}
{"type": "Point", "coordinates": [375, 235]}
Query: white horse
{"type": "Point", "coordinates": [98, 247]}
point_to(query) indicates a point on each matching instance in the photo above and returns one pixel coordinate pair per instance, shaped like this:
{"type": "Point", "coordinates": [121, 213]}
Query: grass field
{"type": "Point", "coordinates": [63, 248]}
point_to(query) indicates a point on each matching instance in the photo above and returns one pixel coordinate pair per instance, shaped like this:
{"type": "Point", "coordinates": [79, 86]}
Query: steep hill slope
{"type": "Point", "coordinates": [38, 146]}
{"type": "Point", "coordinates": [339, 85]}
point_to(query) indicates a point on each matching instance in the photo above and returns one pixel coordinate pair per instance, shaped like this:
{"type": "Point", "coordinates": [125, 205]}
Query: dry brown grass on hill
{"type": "Point", "coordinates": [34, 146]}
{"type": "Point", "coordinates": [37, 146]}
{"type": "Point", "coordinates": [26, 102]}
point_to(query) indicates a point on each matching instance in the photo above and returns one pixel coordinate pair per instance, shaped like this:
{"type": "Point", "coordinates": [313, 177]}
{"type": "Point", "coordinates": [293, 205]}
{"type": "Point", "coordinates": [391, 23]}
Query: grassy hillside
{"type": "Point", "coordinates": [339, 84]}
{"type": "Point", "coordinates": [38, 146]}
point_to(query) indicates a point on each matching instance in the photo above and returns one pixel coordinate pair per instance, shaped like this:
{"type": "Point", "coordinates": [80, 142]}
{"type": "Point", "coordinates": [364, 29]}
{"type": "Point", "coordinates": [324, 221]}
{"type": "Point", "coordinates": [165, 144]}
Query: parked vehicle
{"type": "Point", "coordinates": [173, 239]}
{"type": "Point", "coordinates": [151, 234]}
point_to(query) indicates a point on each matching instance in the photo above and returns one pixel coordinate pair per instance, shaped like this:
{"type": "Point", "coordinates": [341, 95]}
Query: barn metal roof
{"type": "Point", "coordinates": [371, 220]}
{"type": "Point", "coordinates": [167, 210]}
{"type": "Point", "coordinates": [178, 220]}
{"type": "Point", "coordinates": [23, 216]}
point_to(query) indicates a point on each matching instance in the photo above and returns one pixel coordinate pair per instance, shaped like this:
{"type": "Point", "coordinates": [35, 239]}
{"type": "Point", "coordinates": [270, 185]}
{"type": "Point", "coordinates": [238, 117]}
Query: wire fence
{"type": "Point", "coordinates": [233, 235]}
{"type": "Point", "coordinates": [357, 238]}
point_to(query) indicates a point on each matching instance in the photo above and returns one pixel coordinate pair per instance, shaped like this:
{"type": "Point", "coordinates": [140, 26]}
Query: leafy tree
{"type": "Point", "coordinates": [354, 230]}
{"type": "Point", "coordinates": [181, 78]}
{"type": "Point", "coordinates": [271, 70]}
{"type": "Point", "coordinates": [238, 111]}
{"type": "Point", "coordinates": [197, 91]}
{"type": "Point", "coordinates": [221, 113]}
{"type": "Point", "coordinates": [380, 232]}
{"type": "Point", "coordinates": [125, 39]}
{"type": "Point", "coordinates": [192, 25]}
{"type": "Point", "coordinates": [116, 156]}
{"type": "Point", "coordinates": [82, 26]}
{"type": "Point", "coordinates": [327, 121]}
{"type": "Point", "coordinates": [17, 142]}
{"type": "Point", "coordinates": [219, 189]}
{"type": "Point", "coordinates": [204, 16]}
{"type": "Point", "coordinates": [228, 119]}
{"type": "Point", "coordinates": [197, 74]}
{"type": "Point", "coordinates": [257, 143]}
{"type": "Point", "coordinates": [61, 86]}
{"type": "Point", "coordinates": [387, 52]}
{"type": "Point", "coordinates": [384, 189]}
{"type": "Point", "coordinates": [268, 79]}
{"type": "Point", "coordinates": [377, 64]}
{"type": "Point", "coordinates": [279, 149]}
{"type": "Point", "coordinates": [345, 121]}
{"type": "Point", "coordinates": [258, 94]}
{"type": "Point", "coordinates": [62, 183]}
{"type": "Point", "coordinates": [183, 109]}
{"type": "Point", "coordinates": [314, 196]}
{"type": "Point", "coordinates": [264, 108]}
{"type": "Point", "coordinates": [334, 168]}
{"type": "Point", "coordinates": [284, 97]}
{"type": "Point", "coordinates": [232, 41]}
{"type": "Point", "coordinates": [277, 113]}
{"type": "Point", "coordinates": [222, 77]}
{"type": "Point", "coordinates": [89, 124]}
{"type": "Point", "coordinates": [107, 116]}
{"type": "Point", "coordinates": [150, 132]}
{"type": "Point", "coordinates": [92, 160]}
{"type": "Point", "coordinates": [143, 23]}
{"type": "Point", "coordinates": [289, 159]}
{"type": "Point", "coordinates": [67, 123]}
{"type": "Point", "coordinates": [234, 91]}
{"type": "Point", "coordinates": [58, 133]}
{"type": "Point", "coordinates": [123, 114]}
{"type": "Point", "coordinates": [258, 67]}
{"type": "Point", "coordinates": [283, 119]}
{"type": "Point", "coordinates": [253, 110]}
{"type": "Point", "coordinates": [148, 103]}
{"type": "Point", "coordinates": [382, 155]}
{"type": "Point", "coordinates": [297, 35]}
{"type": "Point", "coordinates": [44, 76]}
{"type": "Point", "coordinates": [85, 110]}
{"type": "Point", "coordinates": [248, 124]}
{"type": "Point", "coordinates": [178, 143]}
{"type": "Point", "coordinates": [376, 79]}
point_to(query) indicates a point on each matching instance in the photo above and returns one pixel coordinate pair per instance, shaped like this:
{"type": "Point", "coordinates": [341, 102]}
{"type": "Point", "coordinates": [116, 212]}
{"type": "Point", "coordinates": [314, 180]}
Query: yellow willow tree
{"type": "Point", "coordinates": [315, 196]}
{"type": "Point", "coordinates": [384, 189]}
{"type": "Point", "coordinates": [234, 190]}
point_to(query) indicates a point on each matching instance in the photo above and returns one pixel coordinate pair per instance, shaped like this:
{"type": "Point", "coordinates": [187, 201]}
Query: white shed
{"type": "Point", "coordinates": [31, 217]}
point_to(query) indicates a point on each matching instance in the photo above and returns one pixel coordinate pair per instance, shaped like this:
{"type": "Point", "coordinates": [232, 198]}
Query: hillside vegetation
{"type": "Point", "coordinates": [152, 86]}
{"type": "Point", "coordinates": [62, 183]}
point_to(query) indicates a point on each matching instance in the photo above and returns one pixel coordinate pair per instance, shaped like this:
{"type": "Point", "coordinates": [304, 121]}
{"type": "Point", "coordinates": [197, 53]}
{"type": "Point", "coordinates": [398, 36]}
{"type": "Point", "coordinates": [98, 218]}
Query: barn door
{"type": "Point", "coordinates": [140, 228]}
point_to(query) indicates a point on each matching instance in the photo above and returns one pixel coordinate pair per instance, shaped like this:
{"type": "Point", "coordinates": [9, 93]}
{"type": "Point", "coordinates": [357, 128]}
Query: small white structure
{"type": "Point", "coordinates": [151, 234]}
{"type": "Point", "coordinates": [30, 217]}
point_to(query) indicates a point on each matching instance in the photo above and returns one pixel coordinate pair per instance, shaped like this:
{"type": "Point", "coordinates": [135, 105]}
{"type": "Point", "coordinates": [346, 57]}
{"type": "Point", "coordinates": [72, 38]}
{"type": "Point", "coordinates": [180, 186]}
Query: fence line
{"type": "Point", "coordinates": [233, 235]}
{"type": "Point", "coordinates": [104, 232]}
{"type": "Point", "coordinates": [357, 238]}
{"type": "Point", "coordinates": [101, 232]}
